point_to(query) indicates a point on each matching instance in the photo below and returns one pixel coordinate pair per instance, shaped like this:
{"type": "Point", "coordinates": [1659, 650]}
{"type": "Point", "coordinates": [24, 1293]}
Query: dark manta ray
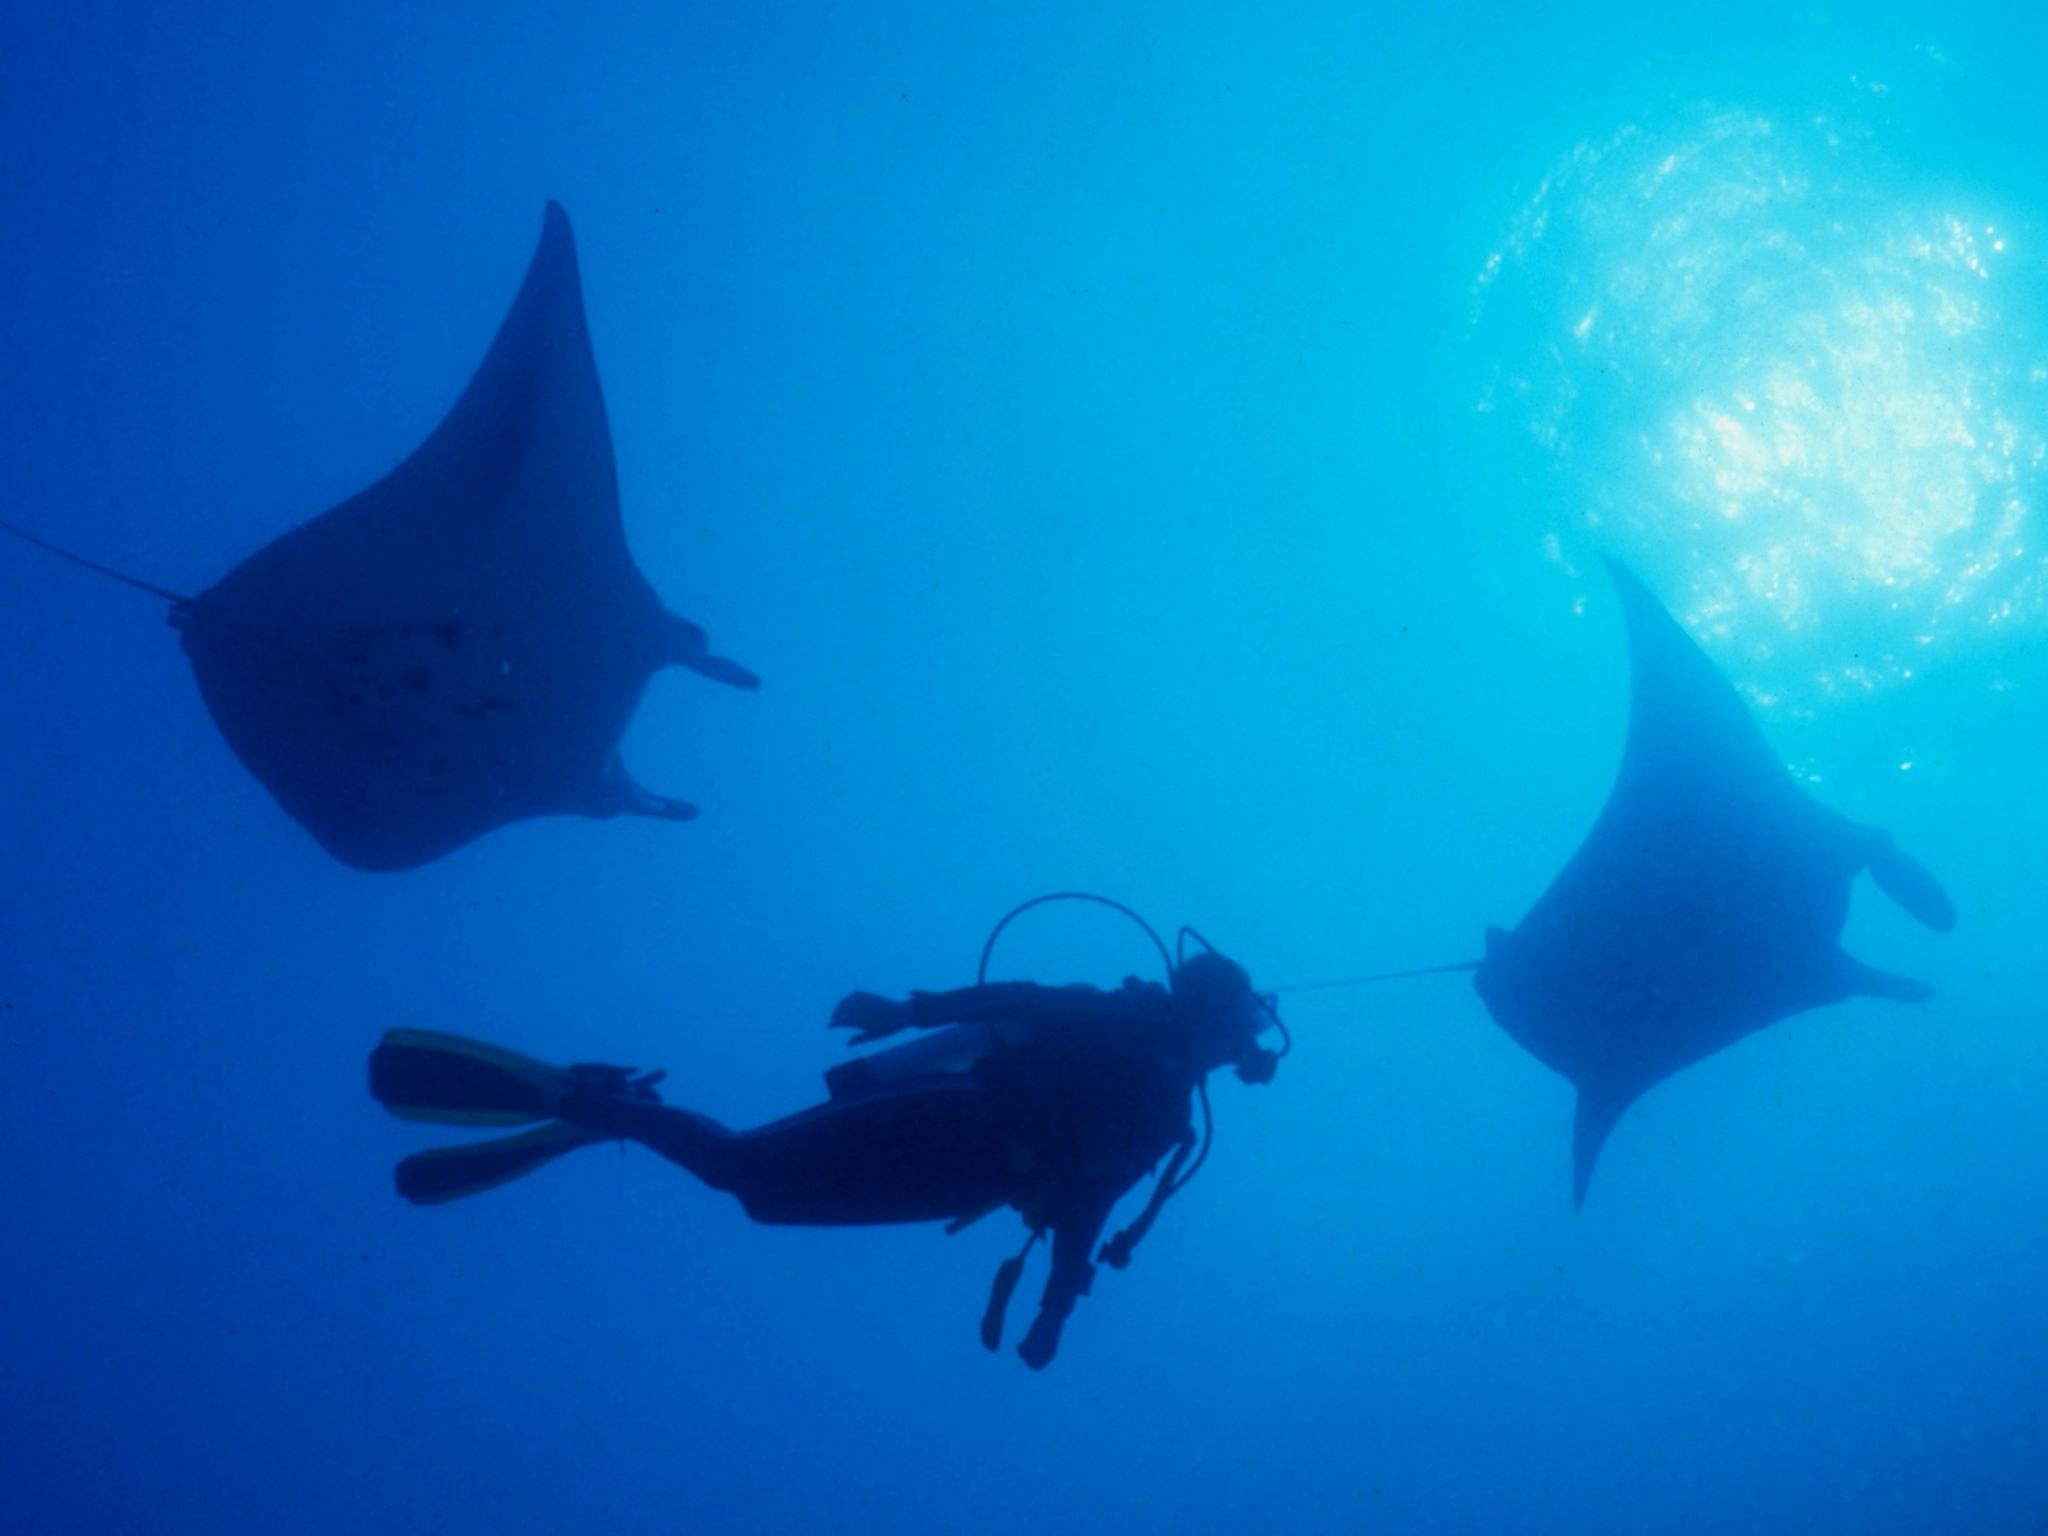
{"type": "Point", "coordinates": [1706, 903]}
{"type": "Point", "coordinates": [463, 644]}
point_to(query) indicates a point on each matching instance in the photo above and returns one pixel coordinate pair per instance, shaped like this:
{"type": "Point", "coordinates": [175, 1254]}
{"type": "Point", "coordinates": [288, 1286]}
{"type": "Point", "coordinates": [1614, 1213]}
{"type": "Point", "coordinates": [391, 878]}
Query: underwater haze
{"type": "Point", "coordinates": [1157, 450]}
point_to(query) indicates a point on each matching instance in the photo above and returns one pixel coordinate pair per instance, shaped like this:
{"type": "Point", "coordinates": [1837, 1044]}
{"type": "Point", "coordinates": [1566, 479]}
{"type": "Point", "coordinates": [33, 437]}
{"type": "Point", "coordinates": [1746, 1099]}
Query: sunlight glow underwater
{"type": "Point", "coordinates": [1772, 366]}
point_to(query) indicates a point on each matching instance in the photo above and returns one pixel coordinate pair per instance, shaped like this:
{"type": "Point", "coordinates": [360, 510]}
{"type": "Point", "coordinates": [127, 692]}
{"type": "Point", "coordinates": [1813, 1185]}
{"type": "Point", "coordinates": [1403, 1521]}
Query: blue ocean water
{"type": "Point", "coordinates": [1150, 449]}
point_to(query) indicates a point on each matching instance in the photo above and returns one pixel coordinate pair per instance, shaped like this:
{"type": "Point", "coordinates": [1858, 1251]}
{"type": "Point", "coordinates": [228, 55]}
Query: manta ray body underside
{"type": "Point", "coordinates": [1706, 903]}
{"type": "Point", "coordinates": [463, 644]}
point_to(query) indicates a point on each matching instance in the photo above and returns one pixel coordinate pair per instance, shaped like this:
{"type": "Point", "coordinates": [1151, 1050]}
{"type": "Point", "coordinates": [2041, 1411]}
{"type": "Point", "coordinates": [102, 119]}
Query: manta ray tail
{"type": "Point", "coordinates": [1591, 1122]}
{"type": "Point", "coordinates": [176, 598]}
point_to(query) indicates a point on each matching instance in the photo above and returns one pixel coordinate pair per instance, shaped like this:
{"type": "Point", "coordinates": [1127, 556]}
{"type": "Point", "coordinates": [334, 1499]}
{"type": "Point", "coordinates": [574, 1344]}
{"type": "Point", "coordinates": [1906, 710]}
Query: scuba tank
{"type": "Point", "coordinates": [957, 1049]}
{"type": "Point", "coordinates": [952, 1051]}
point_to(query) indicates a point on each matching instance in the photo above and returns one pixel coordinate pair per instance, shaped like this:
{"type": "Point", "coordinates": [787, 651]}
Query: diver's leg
{"type": "Point", "coordinates": [924, 1152]}
{"type": "Point", "coordinates": [1075, 1228]}
{"type": "Point", "coordinates": [692, 1141]}
{"type": "Point", "coordinates": [929, 1152]}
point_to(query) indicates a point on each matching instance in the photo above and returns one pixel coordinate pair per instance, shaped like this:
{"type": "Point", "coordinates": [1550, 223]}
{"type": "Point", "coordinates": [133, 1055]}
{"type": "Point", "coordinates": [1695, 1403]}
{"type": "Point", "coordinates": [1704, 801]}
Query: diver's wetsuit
{"type": "Point", "coordinates": [1075, 1095]}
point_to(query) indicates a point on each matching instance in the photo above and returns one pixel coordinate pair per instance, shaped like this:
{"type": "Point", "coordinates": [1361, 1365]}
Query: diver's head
{"type": "Point", "coordinates": [1225, 1016]}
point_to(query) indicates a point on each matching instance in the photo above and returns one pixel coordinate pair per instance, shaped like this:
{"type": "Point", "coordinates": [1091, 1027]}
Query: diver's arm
{"type": "Point", "coordinates": [1073, 1244]}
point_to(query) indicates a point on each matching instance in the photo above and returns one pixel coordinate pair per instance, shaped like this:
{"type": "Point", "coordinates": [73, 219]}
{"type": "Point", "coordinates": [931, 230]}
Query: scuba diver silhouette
{"type": "Point", "coordinates": [1055, 1101]}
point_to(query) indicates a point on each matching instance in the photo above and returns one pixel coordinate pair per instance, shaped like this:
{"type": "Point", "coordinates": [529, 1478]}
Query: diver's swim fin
{"type": "Point", "coordinates": [421, 1074]}
{"type": "Point", "coordinates": [449, 1173]}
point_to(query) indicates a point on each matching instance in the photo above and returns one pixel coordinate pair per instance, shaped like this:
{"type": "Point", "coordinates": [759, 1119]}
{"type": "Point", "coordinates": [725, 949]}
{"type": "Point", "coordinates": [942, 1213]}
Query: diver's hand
{"type": "Point", "coordinates": [870, 1017]}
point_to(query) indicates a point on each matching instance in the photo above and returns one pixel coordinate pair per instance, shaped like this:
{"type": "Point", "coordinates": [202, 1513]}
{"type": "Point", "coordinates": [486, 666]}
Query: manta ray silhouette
{"type": "Point", "coordinates": [1706, 903]}
{"type": "Point", "coordinates": [462, 645]}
